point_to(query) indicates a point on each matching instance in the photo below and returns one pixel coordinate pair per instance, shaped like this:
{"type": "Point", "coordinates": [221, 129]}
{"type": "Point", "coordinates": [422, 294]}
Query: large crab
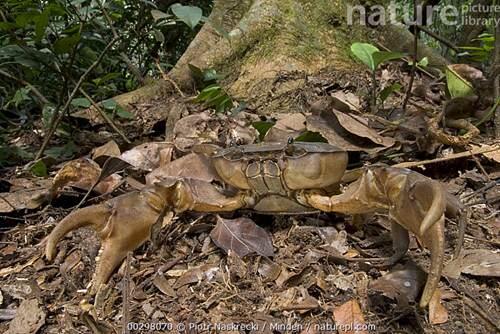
{"type": "Point", "coordinates": [273, 178]}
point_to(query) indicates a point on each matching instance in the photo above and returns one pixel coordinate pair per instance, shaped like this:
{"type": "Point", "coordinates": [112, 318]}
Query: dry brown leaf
{"type": "Point", "coordinates": [83, 173]}
{"type": "Point", "coordinates": [358, 126]}
{"type": "Point", "coordinates": [20, 200]}
{"type": "Point", "coordinates": [494, 155]}
{"type": "Point", "coordinates": [438, 314]}
{"type": "Point", "coordinates": [402, 283]}
{"type": "Point", "coordinates": [146, 156]}
{"type": "Point", "coordinates": [197, 274]}
{"type": "Point", "coordinates": [196, 129]}
{"type": "Point", "coordinates": [477, 262]}
{"type": "Point", "coordinates": [110, 149]}
{"type": "Point", "coordinates": [192, 165]}
{"type": "Point", "coordinates": [348, 318]}
{"type": "Point", "coordinates": [242, 236]}
{"type": "Point", "coordinates": [347, 131]}
{"type": "Point", "coordinates": [269, 270]}
{"type": "Point", "coordinates": [28, 320]}
{"type": "Point", "coordinates": [287, 126]}
{"type": "Point", "coordinates": [351, 100]}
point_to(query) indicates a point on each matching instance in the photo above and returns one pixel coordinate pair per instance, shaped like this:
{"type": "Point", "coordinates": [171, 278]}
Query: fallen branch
{"type": "Point", "coordinates": [354, 174]}
{"type": "Point", "coordinates": [447, 158]}
{"type": "Point", "coordinates": [105, 116]}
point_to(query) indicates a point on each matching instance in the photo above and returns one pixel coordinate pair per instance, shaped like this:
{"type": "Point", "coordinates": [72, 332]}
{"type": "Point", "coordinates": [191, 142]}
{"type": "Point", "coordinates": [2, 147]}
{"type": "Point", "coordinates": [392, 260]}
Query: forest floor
{"type": "Point", "coordinates": [183, 282]}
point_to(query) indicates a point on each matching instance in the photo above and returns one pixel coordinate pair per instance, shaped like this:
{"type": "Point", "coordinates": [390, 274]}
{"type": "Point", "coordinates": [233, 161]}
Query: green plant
{"type": "Point", "coordinates": [372, 57]}
{"type": "Point", "coordinates": [212, 94]}
{"type": "Point", "coordinates": [50, 49]}
{"type": "Point", "coordinates": [480, 53]}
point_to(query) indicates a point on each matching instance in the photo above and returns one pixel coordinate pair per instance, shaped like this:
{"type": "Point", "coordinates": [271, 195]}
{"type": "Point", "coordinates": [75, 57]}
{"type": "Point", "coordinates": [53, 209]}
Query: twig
{"type": "Point", "coordinates": [35, 91]}
{"type": "Point", "coordinates": [167, 78]}
{"type": "Point", "coordinates": [415, 57]}
{"type": "Point", "coordinates": [132, 68]}
{"type": "Point", "coordinates": [125, 296]}
{"type": "Point", "coordinates": [439, 38]}
{"type": "Point", "coordinates": [450, 157]}
{"type": "Point", "coordinates": [480, 190]}
{"type": "Point", "coordinates": [58, 116]}
{"type": "Point", "coordinates": [105, 116]}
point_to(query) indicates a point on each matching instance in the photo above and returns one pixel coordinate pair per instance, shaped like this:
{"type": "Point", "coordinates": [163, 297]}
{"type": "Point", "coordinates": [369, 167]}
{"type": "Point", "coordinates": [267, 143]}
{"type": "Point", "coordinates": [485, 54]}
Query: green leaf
{"type": "Point", "coordinates": [66, 151]}
{"type": "Point", "coordinates": [424, 62]}
{"type": "Point", "coordinates": [66, 44]}
{"type": "Point", "coordinates": [457, 86]}
{"type": "Point", "coordinates": [208, 93]}
{"type": "Point", "coordinates": [159, 15]}
{"type": "Point", "coordinates": [109, 104]}
{"type": "Point", "coordinates": [122, 113]}
{"type": "Point", "coordinates": [380, 57]}
{"type": "Point", "coordinates": [310, 136]}
{"type": "Point", "coordinates": [23, 19]}
{"type": "Point", "coordinates": [262, 128]}
{"type": "Point", "coordinates": [190, 15]}
{"type": "Point", "coordinates": [364, 52]}
{"type": "Point", "coordinates": [41, 23]}
{"type": "Point", "coordinates": [196, 72]}
{"type": "Point", "coordinates": [387, 91]}
{"type": "Point", "coordinates": [81, 102]}
{"type": "Point", "coordinates": [158, 35]}
{"type": "Point", "coordinates": [39, 169]}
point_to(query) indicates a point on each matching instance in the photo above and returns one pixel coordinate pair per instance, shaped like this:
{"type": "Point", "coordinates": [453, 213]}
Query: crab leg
{"type": "Point", "coordinates": [124, 223]}
{"type": "Point", "coordinates": [413, 201]}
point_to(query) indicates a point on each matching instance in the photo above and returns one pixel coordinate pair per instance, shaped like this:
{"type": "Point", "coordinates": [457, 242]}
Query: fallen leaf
{"type": "Point", "coordinates": [269, 270]}
{"type": "Point", "coordinates": [402, 283]}
{"type": "Point", "coordinates": [21, 199]}
{"type": "Point", "coordinates": [83, 173]}
{"type": "Point", "coordinates": [110, 149]}
{"type": "Point", "coordinates": [193, 165]}
{"type": "Point", "coordinates": [197, 274]}
{"type": "Point", "coordinates": [196, 129]}
{"type": "Point", "coordinates": [146, 156]}
{"type": "Point", "coordinates": [347, 131]}
{"type": "Point", "coordinates": [287, 126]}
{"type": "Point", "coordinates": [242, 236]}
{"type": "Point", "coordinates": [28, 320]}
{"type": "Point", "coordinates": [477, 262]}
{"type": "Point", "coordinates": [348, 317]}
{"type": "Point", "coordinates": [437, 312]}
{"type": "Point", "coordinates": [349, 99]}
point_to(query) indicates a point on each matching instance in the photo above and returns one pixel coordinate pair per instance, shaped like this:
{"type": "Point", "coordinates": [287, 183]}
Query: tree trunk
{"type": "Point", "coordinates": [272, 48]}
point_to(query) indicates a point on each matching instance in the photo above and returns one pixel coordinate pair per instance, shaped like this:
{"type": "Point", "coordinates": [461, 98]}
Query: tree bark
{"type": "Point", "coordinates": [271, 49]}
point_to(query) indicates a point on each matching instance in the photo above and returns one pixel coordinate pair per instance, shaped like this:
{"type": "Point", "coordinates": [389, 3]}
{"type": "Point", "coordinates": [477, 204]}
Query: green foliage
{"type": "Point", "coordinates": [190, 15]}
{"type": "Point", "coordinates": [39, 169]}
{"type": "Point", "coordinates": [480, 53]}
{"type": "Point", "coordinates": [46, 46]}
{"type": "Point", "coordinates": [387, 91]}
{"type": "Point", "coordinates": [262, 128]}
{"type": "Point", "coordinates": [212, 94]}
{"type": "Point", "coordinates": [311, 136]}
{"type": "Point", "coordinates": [457, 86]}
{"type": "Point", "coordinates": [371, 56]}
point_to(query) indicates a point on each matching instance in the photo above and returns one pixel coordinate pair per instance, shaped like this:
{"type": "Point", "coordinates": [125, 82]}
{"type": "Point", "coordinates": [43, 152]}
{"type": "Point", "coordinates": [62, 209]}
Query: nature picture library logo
{"type": "Point", "coordinates": [394, 13]}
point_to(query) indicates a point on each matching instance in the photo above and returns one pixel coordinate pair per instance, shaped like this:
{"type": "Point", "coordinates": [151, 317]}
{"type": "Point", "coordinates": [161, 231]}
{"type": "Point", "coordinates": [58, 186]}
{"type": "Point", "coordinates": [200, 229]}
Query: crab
{"type": "Point", "coordinates": [271, 178]}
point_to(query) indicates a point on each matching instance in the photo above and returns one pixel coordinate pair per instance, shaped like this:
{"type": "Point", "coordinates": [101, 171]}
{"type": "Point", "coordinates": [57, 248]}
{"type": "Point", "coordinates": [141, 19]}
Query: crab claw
{"type": "Point", "coordinates": [125, 222]}
{"type": "Point", "coordinates": [122, 223]}
{"type": "Point", "coordinates": [415, 202]}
